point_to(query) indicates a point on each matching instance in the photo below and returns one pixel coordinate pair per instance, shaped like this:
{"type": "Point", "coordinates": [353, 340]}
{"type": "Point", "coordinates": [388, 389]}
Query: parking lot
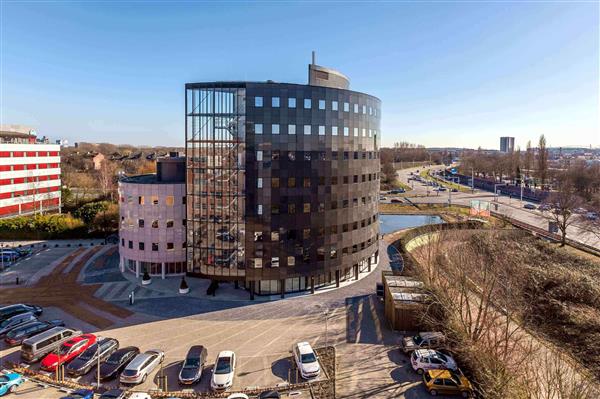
{"type": "Point", "coordinates": [262, 335]}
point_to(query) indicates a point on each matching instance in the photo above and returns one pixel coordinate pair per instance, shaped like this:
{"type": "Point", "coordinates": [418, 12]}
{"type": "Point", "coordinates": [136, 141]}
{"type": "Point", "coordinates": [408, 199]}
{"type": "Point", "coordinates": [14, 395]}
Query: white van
{"type": "Point", "coordinates": [38, 346]}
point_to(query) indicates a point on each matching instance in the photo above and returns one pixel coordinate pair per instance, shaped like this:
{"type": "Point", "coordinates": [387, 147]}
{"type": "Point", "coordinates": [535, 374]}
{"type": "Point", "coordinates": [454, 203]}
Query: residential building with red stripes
{"type": "Point", "coordinates": [29, 173]}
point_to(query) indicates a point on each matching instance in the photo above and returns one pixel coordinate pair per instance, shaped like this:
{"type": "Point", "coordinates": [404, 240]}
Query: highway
{"type": "Point", "coordinates": [513, 208]}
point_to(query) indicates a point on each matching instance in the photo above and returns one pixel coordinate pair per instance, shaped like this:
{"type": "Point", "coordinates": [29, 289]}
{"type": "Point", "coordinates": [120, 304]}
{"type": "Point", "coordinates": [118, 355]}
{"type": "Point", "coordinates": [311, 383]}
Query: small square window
{"type": "Point", "coordinates": [275, 102]}
{"type": "Point", "coordinates": [154, 200]}
{"type": "Point", "coordinates": [130, 244]}
{"type": "Point", "coordinates": [321, 104]}
{"type": "Point", "coordinates": [155, 224]}
{"type": "Point", "coordinates": [306, 182]}
{"type": "Point", "coordinates": [170, 246]}
{"type": "Point", "coordinates": [259, 182]}
{"type": "Point", "coordinates": [258, 101]}
{"type": "Point", "coordinates": [141, 200]}
{"type": "Point", "coordinates": [370, 111]}
{"type": "Point", "coordinates": [258, 263]}
{"type": "Point", "coordinates": [307, 130]}
{"type": "Point", "coordinates": [141, 246]}
{"type": "Point", "coordinates": [155, 247]}
{"type": "Point", "coordinates": [291, 261]}
{"type": "Point", "coordinates": [274, 236]}
{"type": "Point", "coordinates": [291, 129]}
{"type": "Point", "coordinates": [259, 210]}
{"type": "Point", "coordinates": [275, 209]}
{"type": "Point", "coordinates": [259, 155]}
{"type": "Point", "coordinates": [275, 182]}
{"type": "Point", "coordinates": [364, 109]}
{"type": "Point", "coordinates": [307, 103]}
{"type": "Point", "coordinates": [291, 209]}
{"type": "Point", "coordinates": [355, 132]}
{"type": "Point", "coordinates": [258, 128]}
{"type": "Point", "coordinates": [275, 261]}
{"type": "Point", "coordinates": [321, 130]}
{"type": "Point", "coordinates": [356, 108]}
{"type": "Point", "coordinates": [334, 130]}
{"type": "Point", "coordinates": [275, 129]}
{"type": "Point", "coordinates": [306, 207]}
{"type": "Point", "coordinates": [141, 223]}
{"type": "Point", "coordinates": [291, 103]}
{"type": "Point", "coordinates": [364, 132]}
{"type": "Point", "coordinates": [169, 200]}
{"type": "Point", "coordinates": [306, 234]}
{"type": "Point", "coordinates": [291, 155]}
{"type": "Point", "coordinates": [334, 105]}
{"type": "Point", "coordinates": [346, 107]}
{"type": "Point", "coordinates": [346, 131]}
{"type": "Point", "coordinates": [170, 224]}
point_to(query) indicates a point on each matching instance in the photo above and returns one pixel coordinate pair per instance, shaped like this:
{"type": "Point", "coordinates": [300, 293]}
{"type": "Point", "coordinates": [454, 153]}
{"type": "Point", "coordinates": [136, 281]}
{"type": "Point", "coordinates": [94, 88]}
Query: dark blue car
{"type": "Point", "coordinates": [80, 394]}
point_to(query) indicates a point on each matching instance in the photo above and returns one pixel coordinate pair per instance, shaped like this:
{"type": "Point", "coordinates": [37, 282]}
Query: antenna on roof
{"type": "Point", "coordinates": [314, 56]}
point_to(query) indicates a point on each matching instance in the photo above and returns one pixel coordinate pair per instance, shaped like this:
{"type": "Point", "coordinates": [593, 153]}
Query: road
{"type": "Point", "coordinates": [510, 207]}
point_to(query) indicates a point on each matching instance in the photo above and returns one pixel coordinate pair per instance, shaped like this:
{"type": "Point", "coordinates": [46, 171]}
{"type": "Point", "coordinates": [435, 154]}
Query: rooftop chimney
{"type": "Point", "coordinates": [314, 57]}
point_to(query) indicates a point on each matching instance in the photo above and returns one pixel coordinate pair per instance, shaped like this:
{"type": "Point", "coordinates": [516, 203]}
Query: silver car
{"type": "Point", "coordinates": [141, 366]}
{"type": "Point", "coordinates": [15, 321]}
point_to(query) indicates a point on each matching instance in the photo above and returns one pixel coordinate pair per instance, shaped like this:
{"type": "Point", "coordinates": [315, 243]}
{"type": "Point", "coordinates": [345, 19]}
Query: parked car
{"type": "Point", "coordinates": [191, 371]}
{"type": "Point", "coordinates": [17, 335]}
{"type": "Point", "coordinates": [454, 190]}
{"type": "Point", "coordinates": [591, 216]}
{"type": "Point", "coordinates": [141, 366]}
{"type": "Point", "coordinates": [15, 321]}
{"type": "Point", "coordinates": [382, 198]}
{"type": "Point", "coordinates": [223, 371]}
{"type": "Point", "coordinates": [140, 395]}
{"type": "Point", "coordinates": [447, 382]}
{"type": "Point", "coordinates": [11, 310]}
{"type": "Point", "coordinates": [544, 207]}
{"type": "Point", "coordinates": [117, 362]}
{"type": "Point", "coordinates": [306, 360]}
{"type": "Point", "coordinates": [80, 394]}
{"type": "Point", "coordinates": [529, 206]}
{"type": "Point", "coordinates": [9, 382]}
{"type": "Point", "coordinates": [113, 394]}
{"type": "Point", "coordinates": [68, 351]}
{"type": "Point", "coordinates": [38, 346]}
{"type": "Point", "coordinates": [396, 200]}
{"type": "Point", "coordinates": [423, 340]}
{"type": "Point", "coordinates": [428, 359]}
{"type": "Point", "coordinates": [238, 396]}
{"type": "Point", "coordinates": [83, 363]}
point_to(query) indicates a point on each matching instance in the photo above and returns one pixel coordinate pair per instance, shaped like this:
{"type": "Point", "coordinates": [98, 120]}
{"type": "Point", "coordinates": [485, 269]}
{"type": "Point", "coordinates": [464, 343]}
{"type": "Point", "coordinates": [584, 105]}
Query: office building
{"type": "Point", "coordinates": [29, 172]}
{"type": "Point", "coordinates": [507, 144]}
{"type": "Point", "coordinates": [282, 182]}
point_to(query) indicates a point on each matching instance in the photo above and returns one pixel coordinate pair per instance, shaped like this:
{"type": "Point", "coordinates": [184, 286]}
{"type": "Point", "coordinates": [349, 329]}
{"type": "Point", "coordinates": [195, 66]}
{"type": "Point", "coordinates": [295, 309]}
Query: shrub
{"type": "Point", "coordinates": [88, 212]}
{"type": "Point", "coordinates": [41, 227]}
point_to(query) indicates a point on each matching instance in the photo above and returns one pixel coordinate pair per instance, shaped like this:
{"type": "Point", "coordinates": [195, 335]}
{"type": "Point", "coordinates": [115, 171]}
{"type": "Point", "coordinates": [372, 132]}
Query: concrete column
{"type": "Point", "coordinates": [312, 284]}
{"type": "Point", "coordinates": [369, 264]}
{"type": "Point", "coordinates": [356, 271]}
{"type": "Point", "coordinates": [137, 269]}
{"type": "Point", "coordinates": [162, 270]}
{"type": "Point", "coordinates": [252, 290]}
{"type": "Point", "coordinates": [236, 284]}
{"type": "Point", "coordinates": [121, 264]}
{"type": "Point", "coordinates": [282, 288]}
{"type": "Point", "coordinates": [337, 279]}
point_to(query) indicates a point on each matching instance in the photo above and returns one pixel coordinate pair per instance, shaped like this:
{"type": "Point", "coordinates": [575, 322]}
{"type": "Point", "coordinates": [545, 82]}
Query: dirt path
{"type": "Point", "coordinates": [61, 289]}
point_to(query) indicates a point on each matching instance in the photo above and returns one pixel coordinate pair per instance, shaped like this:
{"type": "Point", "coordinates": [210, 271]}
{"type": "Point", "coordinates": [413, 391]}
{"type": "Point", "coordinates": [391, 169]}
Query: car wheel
{"type": "Point", "coordinates": [433, 392]}
{"type": "Point", "coordinates": [420, 371]}
{"type": "Point", "coordinates": [12, 388]}
{"type": "Point", "coordinates": [144, 378]}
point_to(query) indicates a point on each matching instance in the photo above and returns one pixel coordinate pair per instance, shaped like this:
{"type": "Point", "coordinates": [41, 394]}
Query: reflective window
{"type": "Point", "coordinates": [258, 101]}
{"type": "Point", "coordinates": [275, 129]}
{"type": "Point", "coordinates": [307, 130]}
{"type": "Point", "coordinates": [291, 261]}
{"type": "Point", "coordinates": [364, 109]}
{"type": "Point", "coordinates": [141, 246]}
{"type": "Point", "coordinates": [355, 132]}
{"type": "Point", "coordinates": [356, 108]}
{"type": "Point", "coordinates": [346, 131]}
{"type": "Point", "coordinates": [170, 223]}
{"type": "Point", "coordinates": [155, 246]}
{"type": "Point", "coordinates": [259, 155]}
{"type": "Point", "coordinates": [258, 128]}
{"type": "Point", "coordinates": [321, 130]}
{"type": "Point", "coordinates": [346, 107]}
{"type": "Point", "coordinates": [169, 200]}
{"type": "Point", "coordinates": [275, 102]}
{"type": "Point", "coordinates": [307, 103]}
{"type": "Point", "coordinates": [259, 182]}
{"type": "Point", "coordinates": [334, 130]}
{"type": "Point", "coordinates": [334, 105]}
{"type": "Point", "coordinates": [259, 209]}
{"type": "Point", "coordinates": [370, 110]}
{"type": "Point", "coordinates": [364, 132]}
{"type": "Point", "coordinates": [291, 103]}
{"type": "Point", "coordinates": [291, 129]}
{"type": "Point", "coordinates": [321, 104]}
{"type": "Point", "coordinates": [170, 246]}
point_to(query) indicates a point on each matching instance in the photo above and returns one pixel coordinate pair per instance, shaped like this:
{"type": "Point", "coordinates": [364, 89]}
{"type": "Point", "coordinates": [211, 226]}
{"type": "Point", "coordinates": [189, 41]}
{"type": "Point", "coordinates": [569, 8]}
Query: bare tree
{"type": "Point", "coordinates": [564, 201]}
{"type": "Point", "coordinates": [542, 161]}
{"type": "Point", "coordinates": [107, 175]}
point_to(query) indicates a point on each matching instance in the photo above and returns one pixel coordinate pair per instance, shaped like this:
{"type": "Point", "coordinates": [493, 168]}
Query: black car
{"type": "Point", "coordinates": [19, 334]}
{"type": "Point", "coordinates": [191, 371]}
{"type": "Point", "coordinates": [117, 362]}
{"type": "Point", "coordinates": [83, 363]}
{"type": "Point", "coordinates": [11, 310]}
{"type": "Point", "coordinates": [113, 394]}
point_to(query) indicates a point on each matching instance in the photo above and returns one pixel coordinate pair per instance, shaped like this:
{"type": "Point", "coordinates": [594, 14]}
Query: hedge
{"type": "Point", "coordinates": [42, 227]}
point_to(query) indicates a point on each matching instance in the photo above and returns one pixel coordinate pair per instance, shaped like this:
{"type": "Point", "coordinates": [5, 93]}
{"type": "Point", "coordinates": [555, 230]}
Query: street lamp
{"type": "Point", "coordinates": [326, 314]}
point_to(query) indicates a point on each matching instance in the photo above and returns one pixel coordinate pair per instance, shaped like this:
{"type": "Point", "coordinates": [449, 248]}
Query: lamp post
{"type": "Point", "coordinates": [326, 313]}
{"type": "Point", "coordinates": [496, 190]}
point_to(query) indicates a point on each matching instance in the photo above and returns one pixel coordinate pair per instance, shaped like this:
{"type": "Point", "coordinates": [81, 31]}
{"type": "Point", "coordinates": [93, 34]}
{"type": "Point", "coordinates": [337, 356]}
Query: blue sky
{"type": "Point", "coordinates": [448, 73]}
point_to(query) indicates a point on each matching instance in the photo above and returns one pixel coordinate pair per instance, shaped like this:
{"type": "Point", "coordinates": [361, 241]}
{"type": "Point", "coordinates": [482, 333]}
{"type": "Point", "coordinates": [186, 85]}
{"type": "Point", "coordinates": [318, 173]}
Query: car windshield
{"type": "Point", "coordinates": [64, 349]}
{"type": "Point", "coordinates": [79, 395]}
{"type": "Point", "coordinates": [308, 358]}
{"type": "Point", "coordinates": [129, 373]}
{"type": "Point", "coordinates": [191, 363]}
{"type": "Point", "coordinates": [441, 356]}
{"type": "Point", "coordinates": [5, 323]}
{"type": "Point", "coordinates": [223, 365]}
{"type": "Point", "coordinates": [417, 338]}
{"type": "Point", "coordinates": [89, 352]}
{"type": "Point", "coordinates": [114, 359]}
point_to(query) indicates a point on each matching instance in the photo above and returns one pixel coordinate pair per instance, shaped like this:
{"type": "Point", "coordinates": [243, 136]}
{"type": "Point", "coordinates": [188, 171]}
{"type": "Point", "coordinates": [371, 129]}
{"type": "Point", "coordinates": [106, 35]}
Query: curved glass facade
{"type": "Point", "coordinates": [282, 183]}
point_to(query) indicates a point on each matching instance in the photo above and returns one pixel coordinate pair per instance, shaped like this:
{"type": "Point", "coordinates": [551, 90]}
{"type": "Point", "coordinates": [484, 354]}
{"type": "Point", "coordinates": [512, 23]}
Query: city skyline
{"type": "Point", "coordinates": [99, 73]}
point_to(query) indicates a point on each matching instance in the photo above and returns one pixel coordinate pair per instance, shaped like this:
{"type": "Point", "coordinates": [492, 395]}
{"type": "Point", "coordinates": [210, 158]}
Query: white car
{"type": "Point", "coordinates": [306, 360]}
{"type": "Point", "coordinates": [140, 395]}
{"type": "Point", "coordinates": [223, 371]}
{"type": "Point", "coordinates": [429, 359]}
{"type": "Point", "coordinates": [138, 369]}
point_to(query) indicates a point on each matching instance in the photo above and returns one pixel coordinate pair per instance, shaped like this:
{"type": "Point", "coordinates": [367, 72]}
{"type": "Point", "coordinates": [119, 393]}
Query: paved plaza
{"type": "Point", "coordinates": [260, 332]}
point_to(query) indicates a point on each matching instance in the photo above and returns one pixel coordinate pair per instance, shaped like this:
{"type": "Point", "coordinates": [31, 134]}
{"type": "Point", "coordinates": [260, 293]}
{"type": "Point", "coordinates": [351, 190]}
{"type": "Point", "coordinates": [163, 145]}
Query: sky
{"type": "Point", "coordinates": [449, 73]}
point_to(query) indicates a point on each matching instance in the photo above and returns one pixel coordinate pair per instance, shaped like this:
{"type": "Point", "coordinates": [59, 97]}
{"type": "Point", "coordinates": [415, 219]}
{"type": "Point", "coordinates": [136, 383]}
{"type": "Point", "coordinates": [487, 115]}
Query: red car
{"type": "Point", "coordinates": [68, 351]}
